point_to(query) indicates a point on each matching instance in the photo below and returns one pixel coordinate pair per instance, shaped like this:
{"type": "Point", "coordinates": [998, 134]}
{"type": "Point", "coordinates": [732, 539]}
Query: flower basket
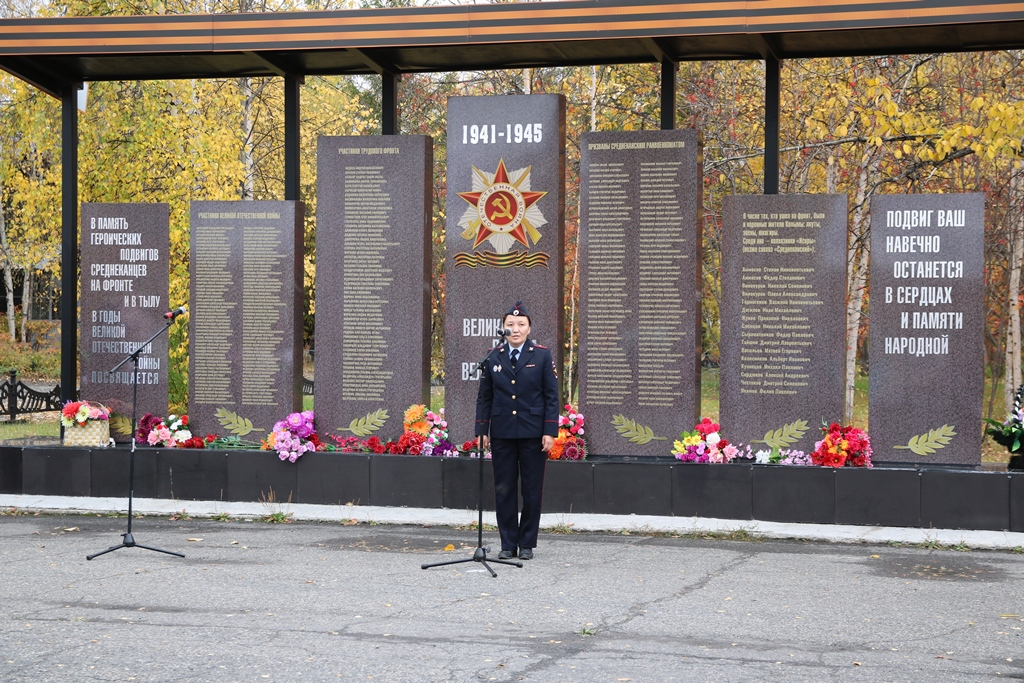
{"type": "Point", "coordinates": [93, 434]}
{"type": "Point", "coordinates": [86, 425]}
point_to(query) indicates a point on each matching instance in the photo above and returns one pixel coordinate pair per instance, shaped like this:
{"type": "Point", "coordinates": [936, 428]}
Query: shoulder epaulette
{"type": "Point", "coordinates": [538, 346]}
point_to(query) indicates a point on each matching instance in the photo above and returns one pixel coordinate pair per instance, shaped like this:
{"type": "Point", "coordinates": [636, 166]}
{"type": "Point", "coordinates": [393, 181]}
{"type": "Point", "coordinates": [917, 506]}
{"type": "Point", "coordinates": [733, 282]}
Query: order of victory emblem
{"type": "Point", "coordinates": [502, 211]}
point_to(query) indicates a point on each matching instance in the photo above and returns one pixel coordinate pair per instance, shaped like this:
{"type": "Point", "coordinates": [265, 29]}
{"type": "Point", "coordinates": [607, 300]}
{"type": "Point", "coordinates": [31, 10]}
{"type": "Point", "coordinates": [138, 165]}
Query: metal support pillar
{"type": "Point", "coordinates": [69, 243]}
{"type": "Point", "coordinates": [291, 138]}
{"type": "Point", "coordinates": [389, 103]}
{"type": "Point", "coordinates": [668, 94]}
{"type": "Point", "coordinates": [772, 81]}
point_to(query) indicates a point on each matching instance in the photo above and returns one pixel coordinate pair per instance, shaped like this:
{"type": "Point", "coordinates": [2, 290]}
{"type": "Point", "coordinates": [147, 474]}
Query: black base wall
{"type": "Point", "coordinates": [910, 497]}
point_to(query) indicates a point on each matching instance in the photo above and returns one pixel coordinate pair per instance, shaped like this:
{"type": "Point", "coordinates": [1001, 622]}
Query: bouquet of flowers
{"type": "Point", "coordinates": [1010, 432]}
{"type": "Point", "coordinates": [170, 433]}
{"type": "Point", "coordinates": [79, 412]}
{"type": "Point", "coordinates": [437, 443]}
{"type": "Point", "coordinates": [417, 421]}
{"type": "Point", "coordinates": [704, 444]}
{"type": "Point", "coordinates": [410, 443]}
{"type": "Point", "coordinates": [783, 456]}
{"type": "Point", "coordinates": [842, 446]}
{"type": "Point", "coordinates": [294, 436]}
{"type": "Point", "coordinates": [569, 444]}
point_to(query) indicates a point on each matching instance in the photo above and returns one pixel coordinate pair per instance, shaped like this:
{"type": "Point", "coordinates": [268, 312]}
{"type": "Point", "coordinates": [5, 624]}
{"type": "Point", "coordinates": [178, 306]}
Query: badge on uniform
{"type": "Point", "coordinates": [496, 368]}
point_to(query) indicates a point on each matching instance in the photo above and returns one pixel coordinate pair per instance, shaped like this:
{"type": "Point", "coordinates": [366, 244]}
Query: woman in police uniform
{"type": "Point", "coordinates": [517, 407]}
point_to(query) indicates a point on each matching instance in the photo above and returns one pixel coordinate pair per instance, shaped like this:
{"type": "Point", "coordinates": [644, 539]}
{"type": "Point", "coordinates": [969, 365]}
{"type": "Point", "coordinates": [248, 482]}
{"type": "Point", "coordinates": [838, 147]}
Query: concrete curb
{"type": "Point", "coordinates": [832, 533]}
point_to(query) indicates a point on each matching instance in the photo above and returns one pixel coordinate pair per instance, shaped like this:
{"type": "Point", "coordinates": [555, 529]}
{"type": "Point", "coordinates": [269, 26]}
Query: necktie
{"type": "Point", "coordinates": [515, 356]}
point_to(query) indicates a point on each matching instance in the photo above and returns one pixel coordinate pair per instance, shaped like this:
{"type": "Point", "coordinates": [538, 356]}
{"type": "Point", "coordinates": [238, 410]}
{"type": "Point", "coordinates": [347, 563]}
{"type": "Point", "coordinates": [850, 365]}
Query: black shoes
{"type": "Point", "coordinates": [526, 553]}
{"type": "Point", "coordinates": [508, 554]}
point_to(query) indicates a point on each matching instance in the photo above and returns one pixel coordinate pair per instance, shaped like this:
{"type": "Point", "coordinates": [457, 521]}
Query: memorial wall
{"type": "Point", "coordinates": [783, 330]}
{"type": "Point", "coordinates": [505, 233]}
{"type": "Point", "coordinates": [640, 288]}
{"type": "Point", "coordinates": [124, 276]}
{"type": "Point", "coordinates": [782, 308]}
{"type": "Point", "coordinates": [373, 281]}
{"type": "Point", "coordinates": [245, 322]}
{"type": "Point", "coordinates": [927, 319]}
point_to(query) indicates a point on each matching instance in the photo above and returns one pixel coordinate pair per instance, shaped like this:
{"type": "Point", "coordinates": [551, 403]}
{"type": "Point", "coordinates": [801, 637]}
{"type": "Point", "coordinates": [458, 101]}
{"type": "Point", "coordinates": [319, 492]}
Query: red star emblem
{"type": "Point", "coordinates": [502, 207]}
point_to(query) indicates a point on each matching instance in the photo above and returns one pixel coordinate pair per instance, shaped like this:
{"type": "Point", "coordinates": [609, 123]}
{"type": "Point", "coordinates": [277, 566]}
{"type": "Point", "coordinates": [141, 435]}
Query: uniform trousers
{"type": "Point", "coordinates": [515, 461]}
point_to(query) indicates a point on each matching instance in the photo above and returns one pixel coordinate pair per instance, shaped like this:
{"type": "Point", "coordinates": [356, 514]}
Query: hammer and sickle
{"type": "Point", "coordinates": [502, 202]}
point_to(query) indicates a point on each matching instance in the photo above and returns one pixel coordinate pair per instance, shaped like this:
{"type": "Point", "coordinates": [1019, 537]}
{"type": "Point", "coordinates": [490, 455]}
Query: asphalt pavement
{"type": "Point", "coordinates": [346, 600]}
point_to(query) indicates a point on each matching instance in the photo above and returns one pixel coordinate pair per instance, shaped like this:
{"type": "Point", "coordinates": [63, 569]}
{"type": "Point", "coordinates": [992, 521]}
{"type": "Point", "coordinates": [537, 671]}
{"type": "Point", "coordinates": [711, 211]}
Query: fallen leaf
{"type": "Point", "coordinates": [234, 542]}
{"type": "Point", "coordinates": [193, 540]}
{"type": "Point", "coordinates": [857, 664]}
{"type": "Point", "coordinates": [448, 548]}
{"type": "Point", "coordinates": [875, 557]}
{"type": "Point", "coordinates": [73, 528]}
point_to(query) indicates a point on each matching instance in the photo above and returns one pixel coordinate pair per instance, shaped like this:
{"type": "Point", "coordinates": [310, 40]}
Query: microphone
{"type": "Point", "coordinates": [504, 333]}
{"type": "Point", "coordinates": [171, 315]}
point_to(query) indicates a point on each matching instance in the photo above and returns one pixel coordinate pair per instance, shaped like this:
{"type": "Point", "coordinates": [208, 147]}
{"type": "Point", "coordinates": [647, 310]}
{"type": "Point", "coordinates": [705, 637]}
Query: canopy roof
{"type": "Point", "coordinates": [55, 51]}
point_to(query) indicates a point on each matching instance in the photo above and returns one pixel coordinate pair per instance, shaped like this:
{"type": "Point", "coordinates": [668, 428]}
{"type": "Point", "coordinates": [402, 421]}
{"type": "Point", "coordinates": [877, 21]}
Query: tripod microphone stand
{"type": "Point", "coordinates": [129, 539]}
{"type": "Point", "coordinates": [480, 554]}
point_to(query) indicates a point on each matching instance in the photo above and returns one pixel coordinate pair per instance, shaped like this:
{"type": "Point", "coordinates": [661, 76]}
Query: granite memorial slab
{"type": "Point", "coordinates": [783, 329]}
{"type": "Point", "coordinates": [373, 281]}
{"type": "Point", "coordinates": [505, 233]}
{"type": "Point", "coordinates": [124, 252]}
{"type": "Point", "coordinates": [927, 321]}
{"type": "Point", "coordinates": [640, 288]}
{"type": "Point", "coordinates": [245, 319]}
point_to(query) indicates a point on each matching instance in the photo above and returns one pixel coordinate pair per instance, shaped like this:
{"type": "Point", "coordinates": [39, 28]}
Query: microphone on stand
{"type": "Point", "coordinates": [504, 333]}
{"type": "Point", "coordinates": [171, 315]}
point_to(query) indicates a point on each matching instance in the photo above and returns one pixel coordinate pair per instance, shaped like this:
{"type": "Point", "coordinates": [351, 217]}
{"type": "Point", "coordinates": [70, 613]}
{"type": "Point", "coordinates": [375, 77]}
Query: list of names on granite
{"type": "Point", "coordinates": [373, 279]}
{"type": "Point", "coordinates": [783, 318]}
{"type": "Point", "coordinates": [505, 232]}
{"type": "Point", "coordinates": [640, 278]}
{"type": "Point", "coordinates": [124, 251]}
{"type": "Point", "coordinates": [926, 324]}
{"type": "Point", "coordinates": [245, 322]}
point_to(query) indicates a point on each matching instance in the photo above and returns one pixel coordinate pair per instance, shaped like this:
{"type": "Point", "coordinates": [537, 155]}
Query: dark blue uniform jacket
{"type": "Point", "coordinates": [520, 403]}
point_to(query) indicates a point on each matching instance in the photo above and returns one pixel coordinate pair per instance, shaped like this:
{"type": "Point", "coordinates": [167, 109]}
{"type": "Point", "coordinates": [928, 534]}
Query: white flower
{"type": "Point", "coordinates": [762, 457]}
{"type": "Point", "coordinates": [713, 438]}
{"type": "Point", "coordinates": [183, 435]}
